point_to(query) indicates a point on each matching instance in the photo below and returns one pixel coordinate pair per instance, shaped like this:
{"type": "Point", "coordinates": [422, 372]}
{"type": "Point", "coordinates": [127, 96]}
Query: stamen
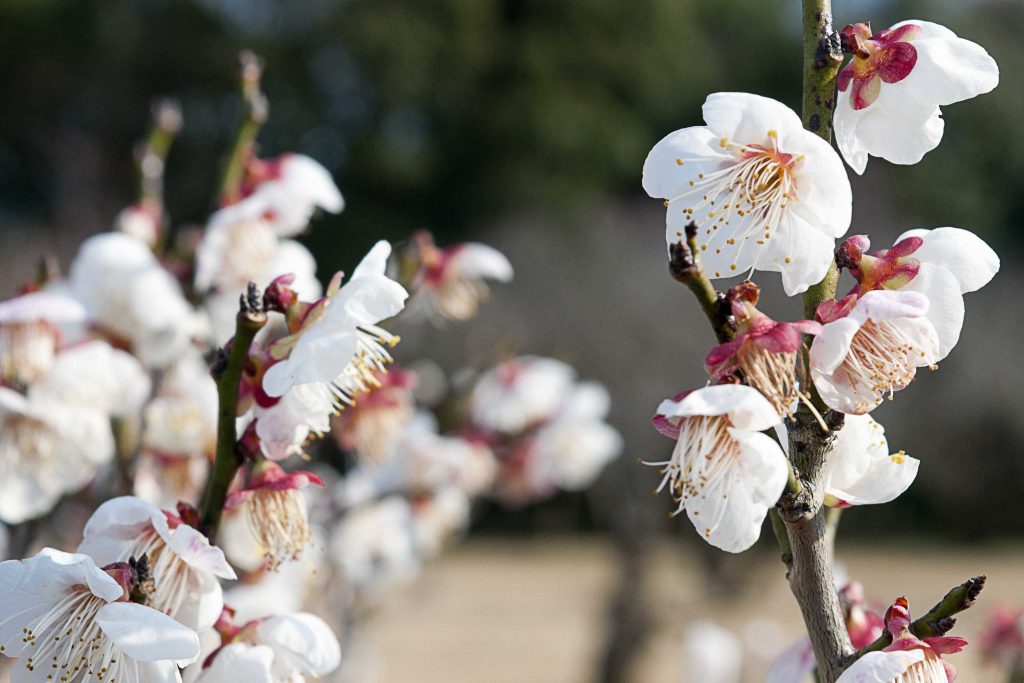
{"type": "Point", "coordinates": [882, 360]}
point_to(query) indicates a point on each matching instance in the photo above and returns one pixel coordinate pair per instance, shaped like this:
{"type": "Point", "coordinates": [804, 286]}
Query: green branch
{"type": "Point", "coordinates": [151, 154]}
{"type": "Point", "coordinates": [228, 373]}
{"type": "Point", "coordinates": [686, 267]}
{"type": "Point", "coordinates": [253, 116]}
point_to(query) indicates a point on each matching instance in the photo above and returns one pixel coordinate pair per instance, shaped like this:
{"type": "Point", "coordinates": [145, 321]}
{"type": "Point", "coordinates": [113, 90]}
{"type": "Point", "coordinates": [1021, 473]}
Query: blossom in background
{"type": "Point", "coordinates": [450, 282]}
{"type": "Point", "coordinates": [184, 565]}
{"type": "Point", "coordinates": [179, 436]}
{"type": "Point", "coordinates": [374, 546]}
{"type": "Point", "coordinates": [47, 448]}
{"type": "Point", "coordinates": [141, 222]}
{"type": "Point", "coordinates": [439, 517]}
{"type": "Point", "coordinates": [765, 193]}
{"type": "Point", "coordinates": [943, 264]}
{"type": "Point", "coordinates": [873, 350]}
{"type": "Point", "coordinates": [373, 426]}
{"type": "Point", "coordinates": [1003, 639]}
{"type": "Point", "coordinates": [908, 659]}
{"type": "Point", "coordinates": [337, 345]}
{"type": "Point", "coordinates": [96, 375]}
{"type": "Point", "coordinates": [276, 510]}
{"type": "Point", "coordinates": [891, 90]}
{"type": "Point", "coordinates": [290, 188]}
{"type": "Point", "coordinates": [284, 647]}
{"type": "Point", "coordinates": [723, 471]}
{"type": "Point", "coordinates": [63, 618]}
{"type": "Point", "coordinates": [30, 333]}
{"type": "Point", "coordinates": [861, 470]}
{"type": "Point", "coordinates": [711, 654]}
{"type": "Point", "coordinates": [520, 393]}
{"type": "Point", "coordinates": [763, 351]}
{"type": "Point", "coordinates": [131, 298]}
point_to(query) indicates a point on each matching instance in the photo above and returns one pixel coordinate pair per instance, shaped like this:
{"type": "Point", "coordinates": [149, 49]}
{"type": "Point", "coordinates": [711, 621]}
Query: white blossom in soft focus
{"type": "Point", "coordinates": [129, 295]}
{"type": "Point", "coordinates": [891, 90]}
{"type": "Point", "coordinates": [139, 222]}
{"type": "Point", "coordinates": [285, 647]}
{"type": "Point", "coordinates": [96, 375]}
{"type": "Point", "coordinates": [711, 654]}
{"type": "Point", "coordinates": [340, 345]}
{"type": "Point", "coordinates": [765, 193]}
{"type": "Point", "coordinates": [30, 333]}
{"type": "Point", "coordinates": [576, 446]}
{"type": "Point", "coordinates": [451, 282]}
{"type": "Point", "coordinates": [439, 517]}
{"type": "Point", "coordinates": [179, 436]}
{"type": "Point", "coordinates": [184, 565]}
{"type": "Point", "coordinates": [373, 427]}
{"type": "Point", "coordinates": [795, 664]}
{"type": "Point", "coordinates": [263, 592]}
{"type": "Point", "coordinates": [65, 618]}
{"type": "Point", "coordinates": [240, 245]}
{"type": "Point", "coordinates": [47, 449]}
{"type": "Point", "coordinates": [862, 358]}
{"type": "Point", "coordinates": [290, 188]}
{"type": "Point", "coordinates": [861, 470]}
{"type": "Point", "coordinates": [374, 546]}
{"type": "Point", "coordinates": [520, 393]}
{"type": "Point", "coordinates": [723, 471]}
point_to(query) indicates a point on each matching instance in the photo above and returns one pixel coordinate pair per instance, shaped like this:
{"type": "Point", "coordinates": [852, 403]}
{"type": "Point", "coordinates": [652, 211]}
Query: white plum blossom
{"type": "Point", "coordinates": [340, 345]}
{"type": "Point", "coordinates": [861, 470]}
{"type": "Point", "coordinates": [289, 189]}
{"type": "Point", "coordinates": [291, 647]}
{"type": "Point", "coordinates": [575, 446]}
{"type": "Point", "coordinates": [439, 517]}
{"type": "Point", "coordinates": [520, 393]}
{"type": "Point", "coordinates": [65, 618]}
{"type": "Point", "coordinates": [129, 295]}
{"type": "Point", "coordinates": [30, 327]}
{"type": "Point", "coordinates": [891, 90]}
{"type": "Point", "coordinates": [711, 654]}
{"type": "Point", "coordinates": [765, 193]}
{"type": "Point", "coordinates": [873, 351]}
{"type": "Point", "coordinates": [184, 565]}
{"type": "Point", "coordinates": [95, 374]}
{"type": "Point", "coordinates": [450, 282]}
{"type": "Point", "coordinates": [374, 546]}
{"type": "Point", "coordinates": [47, 448]}
{"type": "Point", "coordinates": [723, 471]}
{"type": "Point", "coordinates": [180, 434]}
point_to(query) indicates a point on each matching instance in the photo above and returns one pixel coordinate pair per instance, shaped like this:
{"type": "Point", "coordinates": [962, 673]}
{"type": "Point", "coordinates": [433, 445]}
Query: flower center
{"type": "Point", "coordinates": [702, 456]}
{"type": "Point", "coordinates": [66, 642]}
{"type": "Point", "coordinates": [278, 521]}
{"type": "Point", "coordinates": [882, 360]}
{"type": "Point", "coordinates": [26, 351]}
{"type": "Point", "coordinates": [171, 573]}
{"type": "Point", "coordinates": [886, 57]}
{"type": "Point", "coordinates": [752, 190]}
{"type": "Point", "coordinates": [773, 374]}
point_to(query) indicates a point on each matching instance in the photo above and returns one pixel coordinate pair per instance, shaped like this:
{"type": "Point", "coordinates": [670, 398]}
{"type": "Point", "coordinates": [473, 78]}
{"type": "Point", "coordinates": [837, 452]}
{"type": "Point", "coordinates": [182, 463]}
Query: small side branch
{"type": "Point", "coordinates": [254, 114]}
{"type": "Point", "coordinates": [686, 267]}
{"type": "Point", "coordinates": [151, 155]}
{"type": "Point", "coordinates": [228, 374]}
{"type": "Point", "coordinates": [940, 619]}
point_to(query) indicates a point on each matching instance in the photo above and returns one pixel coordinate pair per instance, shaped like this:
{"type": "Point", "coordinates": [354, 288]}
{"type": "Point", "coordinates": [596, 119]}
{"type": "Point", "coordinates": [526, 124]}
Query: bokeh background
{"type": "Point", "coordinates": [524, 124]}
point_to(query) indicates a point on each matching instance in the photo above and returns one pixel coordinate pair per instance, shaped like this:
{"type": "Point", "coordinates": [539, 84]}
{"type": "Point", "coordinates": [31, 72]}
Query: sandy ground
{"type": "Point", "coordinates": [500, 611]}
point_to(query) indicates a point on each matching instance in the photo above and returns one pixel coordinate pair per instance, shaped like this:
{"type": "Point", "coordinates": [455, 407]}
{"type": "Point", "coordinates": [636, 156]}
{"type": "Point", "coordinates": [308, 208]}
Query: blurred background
{"type": "Point", "coordinates": [524, 124]}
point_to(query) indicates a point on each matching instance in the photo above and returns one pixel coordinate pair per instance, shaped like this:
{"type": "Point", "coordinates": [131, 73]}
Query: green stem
{"type": "Point", "coordinates": [151, 156]}
{"type": "Point", "coordinates": [253, 116]}
{"type": "Point", "coordinates": [228, 459]}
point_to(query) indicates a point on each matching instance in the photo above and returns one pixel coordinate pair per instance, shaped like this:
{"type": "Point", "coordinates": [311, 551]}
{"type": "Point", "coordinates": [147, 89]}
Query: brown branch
{"type": "Point", "coordinates": [686, 267]}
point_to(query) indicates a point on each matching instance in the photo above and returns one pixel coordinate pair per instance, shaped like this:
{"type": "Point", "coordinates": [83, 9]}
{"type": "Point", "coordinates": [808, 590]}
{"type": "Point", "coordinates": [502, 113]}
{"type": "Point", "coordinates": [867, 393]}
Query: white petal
{"type": "Point", "coordinates": [901, 133]}
{"type": "Point", "coordinates": [949, 69]}
{"type": "Point", "coordinates": [861, 471]}
{"type": "Point", "coordinates": [474, 260]}
{"type": "Point", "coordinates": [832, 345]}
{"type": "Point", "coordinates": [304, 640]}
{"type": "Point", "coordinates": [52, 307]}
{"type": "Point", "coordinates": [965, 255]}
{"type": "Point", "coordinates": [588, 400]}
{"type": "Point", "coordinates": [309, 177]}
{"type": "Point", "coordinates": [747, 118]}
{"type": "Point", "coordinates": [369, 299]}
{"type": "Point", "coordinates": [794, 665]}
{"type": "Point", "coordinates": [117, 524]}
{"type": "Point", "coordinates": [945, 304]}
{"type": "Point", "coordinates": [747, 408]}
{"type": "Point", "coordinates": [823, 188]}
{"type": "Point", "coordinates": [879, 305]}
{"type": "Point", "coordinates": [729, 513]}
{"type": "Point", "coordinates": [375, 262]}
{"type": "Point", "coordinates": [697, 147]}
{"type": "Point", "coordinates": [798, 251]}
{"type": "Point", "coordinates": [195, 550]}
{"type": "Point", "coordinates": [881, 667]}
{"type": "Point", "coordinates": [240, 663]}
{"type": "Point", "coordinates": [144, 634]}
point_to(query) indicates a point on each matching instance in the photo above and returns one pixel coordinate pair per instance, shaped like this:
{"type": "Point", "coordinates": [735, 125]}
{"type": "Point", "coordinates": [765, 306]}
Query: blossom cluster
{"type": "Point", "coordinates": [753, 190]}
{"type": "Point", "coordinates": [174, 384]}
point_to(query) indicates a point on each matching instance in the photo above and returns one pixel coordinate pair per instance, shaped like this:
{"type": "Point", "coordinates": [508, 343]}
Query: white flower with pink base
{"type": "Point", "coordinates": [185, 566]}
{"type": "Point", "coordinates": [765, 193]}
{"type": "Point", "coordinates": [723, 471]}
{"type": "Point", "coordinates": [890, 92]}
{"type": "Point", "coordinates": [64, 618]}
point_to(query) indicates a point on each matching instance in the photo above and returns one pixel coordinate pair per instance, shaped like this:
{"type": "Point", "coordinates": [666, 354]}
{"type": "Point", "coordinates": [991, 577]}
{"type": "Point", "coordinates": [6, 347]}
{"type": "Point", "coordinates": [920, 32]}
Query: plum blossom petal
{"type": "Point", "coordinates": [861, 470]}
{"type": "Point", "coordinates": [148, 635]}
{"type": "Point", "coordinates": [887, 667]}
{"type": "Point", "coordinates": [965, 255]}
{"type": "Point", "coordinates": [890, 92]}
{"type": "Point", "coordinates": [711, 654]}
{"type": "Point", "coordinates": [723, 471]}
{"type": "Point", "coordinates": [520, 392]}
{"type": "Point", "coordinates": [764, 193]}
{"type": "Point", "coordinates": [240, 663]}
